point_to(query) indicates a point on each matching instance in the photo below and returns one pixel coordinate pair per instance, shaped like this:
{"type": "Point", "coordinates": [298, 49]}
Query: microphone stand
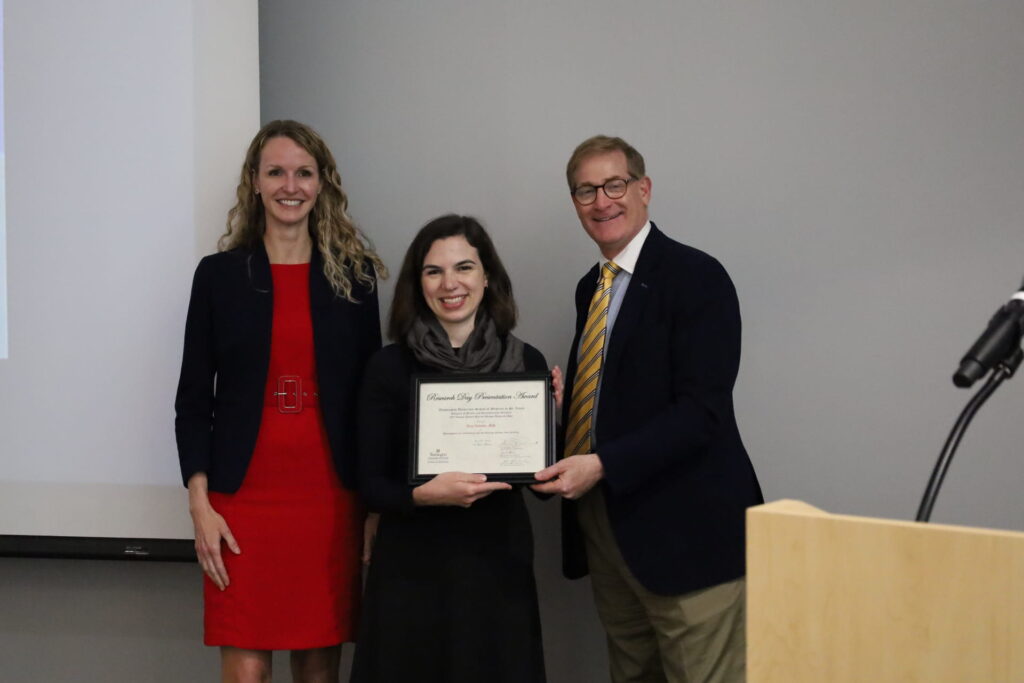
{"type": "Point", "coordinates": [1001, 372]}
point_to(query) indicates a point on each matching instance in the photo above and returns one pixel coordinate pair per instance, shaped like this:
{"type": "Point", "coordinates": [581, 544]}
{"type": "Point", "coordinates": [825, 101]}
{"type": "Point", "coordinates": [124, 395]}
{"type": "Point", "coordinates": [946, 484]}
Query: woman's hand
{"type": "Point", "coordinates": [558, 386]}
{"type": "Point", "coordinates": [456, 488]}
{"type": "Point", "coordinates": [369, 535]}
{"type": "Point", "coordinates": [210, 530]}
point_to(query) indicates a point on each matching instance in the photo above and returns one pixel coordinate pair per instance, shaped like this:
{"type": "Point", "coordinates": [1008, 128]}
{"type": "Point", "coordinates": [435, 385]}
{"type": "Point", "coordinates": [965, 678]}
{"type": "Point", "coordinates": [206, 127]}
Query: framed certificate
{"type": "Point", "coordinates": [501, 425]}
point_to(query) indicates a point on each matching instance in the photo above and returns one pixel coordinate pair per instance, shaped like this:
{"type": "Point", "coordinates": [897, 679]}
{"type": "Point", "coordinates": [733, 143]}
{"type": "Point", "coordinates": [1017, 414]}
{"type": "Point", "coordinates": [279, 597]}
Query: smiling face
{"type": "Point", "coordinates": [612, 223]}
{"type": "Point", "coordinates": [288, 183]}
{"type": "Point", "coordinates": [453, 283]}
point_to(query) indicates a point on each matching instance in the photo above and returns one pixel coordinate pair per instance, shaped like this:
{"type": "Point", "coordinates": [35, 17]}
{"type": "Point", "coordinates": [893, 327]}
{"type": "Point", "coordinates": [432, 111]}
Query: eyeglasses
{"type": "Point", "coordinates": [613, 189]}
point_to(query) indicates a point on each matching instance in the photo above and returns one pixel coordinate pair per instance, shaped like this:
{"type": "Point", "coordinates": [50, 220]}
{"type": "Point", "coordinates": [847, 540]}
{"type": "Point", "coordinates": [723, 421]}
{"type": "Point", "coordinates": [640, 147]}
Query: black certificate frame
{"type": "Point", "coordinates": [449, 383]}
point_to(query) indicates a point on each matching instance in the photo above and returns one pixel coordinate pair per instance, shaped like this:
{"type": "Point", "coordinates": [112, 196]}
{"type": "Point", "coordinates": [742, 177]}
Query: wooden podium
{"type": "Point", "coordinates": [836, 598]}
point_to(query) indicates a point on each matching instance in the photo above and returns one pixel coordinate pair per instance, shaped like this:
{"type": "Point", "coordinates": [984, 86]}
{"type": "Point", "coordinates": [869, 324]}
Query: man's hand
{"type": "Point", "coordinates": [571, 477]}
{"type": "Point", "coordinates": [558, 387]}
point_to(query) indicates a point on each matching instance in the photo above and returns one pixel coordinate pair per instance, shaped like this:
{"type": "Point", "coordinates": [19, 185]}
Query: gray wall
{"type": "Point", "coordinates": [858, 167]}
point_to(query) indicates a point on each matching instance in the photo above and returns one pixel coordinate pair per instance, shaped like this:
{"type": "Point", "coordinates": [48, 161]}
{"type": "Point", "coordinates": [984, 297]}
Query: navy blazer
{"type": "Point", "coordinates": [227, 346]}
{"type": "Point", "coordinates": [677, 478]}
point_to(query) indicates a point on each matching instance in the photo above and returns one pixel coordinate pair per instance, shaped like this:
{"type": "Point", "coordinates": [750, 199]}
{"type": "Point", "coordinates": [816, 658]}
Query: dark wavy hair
{"type": "Point", "coordinates": [408, 302]}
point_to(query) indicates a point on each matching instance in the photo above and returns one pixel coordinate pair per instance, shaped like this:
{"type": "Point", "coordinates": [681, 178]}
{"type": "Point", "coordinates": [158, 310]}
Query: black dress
{"type": "Point", "coordinates": [450, 595]}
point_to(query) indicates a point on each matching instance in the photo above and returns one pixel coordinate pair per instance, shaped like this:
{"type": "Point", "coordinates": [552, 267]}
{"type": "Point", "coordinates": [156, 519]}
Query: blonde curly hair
{"type": "Point", "coordinates": [346, 252]}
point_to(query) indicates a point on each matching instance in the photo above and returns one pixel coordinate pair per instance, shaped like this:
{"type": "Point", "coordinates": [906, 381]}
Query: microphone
{"type": "Point", "coordinates": [999, 341]}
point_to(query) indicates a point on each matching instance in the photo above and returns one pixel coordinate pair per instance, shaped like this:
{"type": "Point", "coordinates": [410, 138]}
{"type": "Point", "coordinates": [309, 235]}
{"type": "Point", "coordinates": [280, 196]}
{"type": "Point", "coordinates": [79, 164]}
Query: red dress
{"type": "Point", "coordinates": [296, 584]}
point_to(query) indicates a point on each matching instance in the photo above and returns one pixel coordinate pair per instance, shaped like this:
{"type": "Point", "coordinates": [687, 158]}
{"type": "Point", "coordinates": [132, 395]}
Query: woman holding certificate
{"type": "Point", "coordinates": [450, 595]}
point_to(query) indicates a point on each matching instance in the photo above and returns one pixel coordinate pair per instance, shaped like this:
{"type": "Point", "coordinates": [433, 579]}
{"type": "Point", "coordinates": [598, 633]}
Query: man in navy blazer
{"type": "Point", "coordinates": [654, 509]}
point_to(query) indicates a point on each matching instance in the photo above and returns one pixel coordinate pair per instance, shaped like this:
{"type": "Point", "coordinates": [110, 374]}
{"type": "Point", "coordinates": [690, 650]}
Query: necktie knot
{"type": "Point", "coordinates": [609, 271]}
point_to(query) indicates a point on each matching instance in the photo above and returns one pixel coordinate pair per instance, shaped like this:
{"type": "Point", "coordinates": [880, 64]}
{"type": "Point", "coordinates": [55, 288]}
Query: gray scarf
{"type": "Point", "coordinates": [482, 352]}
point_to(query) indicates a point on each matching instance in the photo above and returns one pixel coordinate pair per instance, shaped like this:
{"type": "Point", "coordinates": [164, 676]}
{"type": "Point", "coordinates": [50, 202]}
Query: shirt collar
{"type": "Point", "coordinates": [626, 259]}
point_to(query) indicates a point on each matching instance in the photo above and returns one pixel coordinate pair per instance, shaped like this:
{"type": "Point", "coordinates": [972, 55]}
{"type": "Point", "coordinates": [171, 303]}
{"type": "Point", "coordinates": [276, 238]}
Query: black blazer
{"type": "Point", "coordinates": [227, 345]}
{"type": "Point", "coordinates": [677, 478]}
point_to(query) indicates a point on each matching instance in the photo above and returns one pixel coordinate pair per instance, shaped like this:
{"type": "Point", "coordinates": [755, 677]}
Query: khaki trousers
{"type": "Point", "coordinates": [697, 637]}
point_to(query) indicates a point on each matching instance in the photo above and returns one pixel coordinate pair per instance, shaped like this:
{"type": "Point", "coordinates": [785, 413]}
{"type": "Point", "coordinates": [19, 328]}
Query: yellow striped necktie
{"type": "Point", "coordinates": [588, 371]}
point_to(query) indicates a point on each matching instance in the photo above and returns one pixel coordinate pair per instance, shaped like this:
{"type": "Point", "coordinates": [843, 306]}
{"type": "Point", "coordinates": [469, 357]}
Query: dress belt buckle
{"type": "Point", "coordinates": [289, 394]}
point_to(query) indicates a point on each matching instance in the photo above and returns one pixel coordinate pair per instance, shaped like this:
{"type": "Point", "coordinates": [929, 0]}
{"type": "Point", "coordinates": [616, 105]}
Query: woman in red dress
{"type": "Point", "coordinates": [280, 324]}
